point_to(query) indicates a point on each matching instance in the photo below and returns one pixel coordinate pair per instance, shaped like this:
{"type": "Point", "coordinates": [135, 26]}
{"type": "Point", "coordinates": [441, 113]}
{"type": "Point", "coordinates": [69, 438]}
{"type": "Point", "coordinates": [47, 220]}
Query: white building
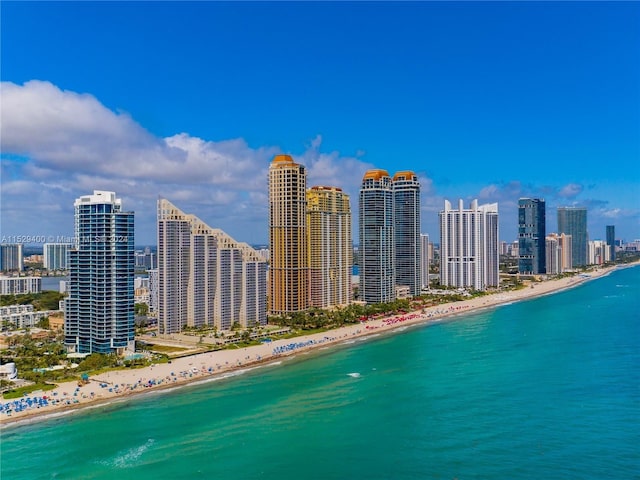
{"type": "Point", "coordinates": [20, 285]}
{"type": "Point", "coordinates": [11, 257]}
{"type": "Point", "coordinates": [558, 254]}
{"type": "Point", "coordinates": [598, 252]}
{"type": "Point", "coordinates": [469, 246]}
{"type": "Point", "coordinates": [21, 316]}
{"type": "Point", "coordinates": [55, 255]}
{"type": "Point", "coordinates": [8, 371]}
{"type": "Point", "coordinates": [426, 257]}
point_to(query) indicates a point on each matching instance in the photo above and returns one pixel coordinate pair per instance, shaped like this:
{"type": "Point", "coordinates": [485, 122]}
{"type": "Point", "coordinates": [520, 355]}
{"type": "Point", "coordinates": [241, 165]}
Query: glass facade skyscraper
{"type": "Point", "coordinates": [531, 236]}
{"type": "Point", "coordinates": [611, 241]}
{"type": "Point", "coordinates": [406, 222]}
{"type": "Point", "coordinates": [573, 221]}
{"type": "Point", "coordinates": [376, 249]}
{"type": "Point", "coordinates": [99, 315]}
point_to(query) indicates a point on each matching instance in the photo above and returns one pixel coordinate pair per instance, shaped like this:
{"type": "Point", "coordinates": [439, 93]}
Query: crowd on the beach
{"type": "Point", "coordinates": [386, 322]}
{"type": "Point", "coordinates": [36, 402]}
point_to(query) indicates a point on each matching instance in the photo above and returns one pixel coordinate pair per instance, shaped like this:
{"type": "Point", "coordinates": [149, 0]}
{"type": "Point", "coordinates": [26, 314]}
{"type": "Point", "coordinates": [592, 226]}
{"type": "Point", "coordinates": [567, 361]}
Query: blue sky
{"type": "Point", "coordinates": [190, 101]}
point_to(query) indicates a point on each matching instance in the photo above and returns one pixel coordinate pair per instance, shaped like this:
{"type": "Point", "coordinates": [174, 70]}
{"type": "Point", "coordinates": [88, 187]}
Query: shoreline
{"type": "Point", "coordinates": [121, 385]}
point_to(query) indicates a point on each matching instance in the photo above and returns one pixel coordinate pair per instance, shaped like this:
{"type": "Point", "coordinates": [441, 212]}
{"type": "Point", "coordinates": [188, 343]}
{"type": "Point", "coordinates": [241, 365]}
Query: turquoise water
{"type": "Point", "coordinates": [543, 389]}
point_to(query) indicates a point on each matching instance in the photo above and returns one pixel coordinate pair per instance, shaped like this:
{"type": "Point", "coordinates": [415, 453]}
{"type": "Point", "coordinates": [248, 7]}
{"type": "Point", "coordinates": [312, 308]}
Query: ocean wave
{"type": "Point", "coordinates": [126, 458]}
{"type": "Point", "coordinates": [354, 375]}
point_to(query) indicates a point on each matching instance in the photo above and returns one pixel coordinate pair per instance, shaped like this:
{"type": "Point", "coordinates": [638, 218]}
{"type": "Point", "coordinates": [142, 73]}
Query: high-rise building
{"type": "Point", "coordinates": [330, 246]}
{"type": "Point", "coordinates": [469, 246]}
{"type": "Point", "coordinates": [558, 253]}
{"type": "Point", "coordinates": [598, 252]}
{"type": "Point", "coordinates": [531, 236]}
{"type": "Point", "coordinates": [376, 248]}
{"type": "Point", "coordinates": [566, 253]}
{"type": "Point", "coordinates": [553, 255]}
{"type": "Point", "coordinates": [146, 259]}
{"type": "Point", "coordinates": [611, 241]}
{"type": "Point", "coordinates": [406, 221]}
{"type": "Point", "coordinates": [99, 315]}
{"type": "Point", "coordinates": [573, 221]}
{"type": "Point", "coordinates": [55, 255]}
{"type": "Point", "coordinates": [20, 285]}
{"type": "Point", "coordinates": [205, 277]}
{"type": "Point", "coordinates": [11, 257]}
{"type": "Point", "coordinates": [426, 257]}
{"type": "Point", "coordinates": [288, 250]}
{"type": "Point", "coordinates": [153, 290]}
{"type": "Point", "coordinates": [174, 267]}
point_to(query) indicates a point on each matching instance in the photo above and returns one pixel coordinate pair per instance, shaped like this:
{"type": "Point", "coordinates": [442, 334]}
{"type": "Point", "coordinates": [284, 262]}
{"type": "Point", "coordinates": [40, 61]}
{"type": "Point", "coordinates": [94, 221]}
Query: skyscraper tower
{"type": "Point", "coordinates": [288, 250]}
{"type": "Point", "coordinates": [469, 246]}
{"type": "Point", "coordinates": [376, 249]}
{"type": "Point", "coordinates": [573, 221]}
{"type": "Point", "coordinates": [531, 236]}
{"type": "Point", "coordinates": [611, 241]}
{"type": "Point", "coordinates": [406, 211]}
{"type": "Point", "coordinates": [205, 277]}
{"type": "Point", "coordinates": [330, 246]}
{"type": "Point", "coordinates": [174, 260]}
{"type": "Point", "coordinates": [99, 309]}
{"type": "Point", "coordinates": [425, 260]}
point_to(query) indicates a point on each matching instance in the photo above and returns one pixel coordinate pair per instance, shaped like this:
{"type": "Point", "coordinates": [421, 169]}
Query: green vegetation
{"type": "Point", "coordinates": [165, 349]}
{"type": "Point", "coordinates": [316, 319]}
{"type": "Point", "coordinates": [19, 392]}
{"type": "Point", "coordinates": [47, 300]}
{"type": "Point", "coordinates": [141, 308]}
{"type": "Point", "coordinates": [98, 361]}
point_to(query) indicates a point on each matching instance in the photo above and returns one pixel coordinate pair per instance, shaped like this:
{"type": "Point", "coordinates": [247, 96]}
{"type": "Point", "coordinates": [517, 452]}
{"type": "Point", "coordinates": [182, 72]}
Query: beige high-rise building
{"type": "Point", "coordinates": [330, 246]}
{"type": "Point", "coordinates": [288, 251]}
{"type": "Point", "coordinates": [561, 255]}
{"type": "Point", "coordinates": [205, 277]}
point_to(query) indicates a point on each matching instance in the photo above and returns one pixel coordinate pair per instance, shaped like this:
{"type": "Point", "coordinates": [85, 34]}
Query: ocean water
{"type": "Point", "coordinates": [542, 389]}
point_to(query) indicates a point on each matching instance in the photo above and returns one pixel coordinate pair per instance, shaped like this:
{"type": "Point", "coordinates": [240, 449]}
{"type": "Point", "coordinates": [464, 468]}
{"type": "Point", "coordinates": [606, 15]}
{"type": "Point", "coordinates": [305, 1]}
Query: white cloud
{"type": "Point", "coordinates": [570, 190]}
{"type": "Point", "coordinates": [67, 144]}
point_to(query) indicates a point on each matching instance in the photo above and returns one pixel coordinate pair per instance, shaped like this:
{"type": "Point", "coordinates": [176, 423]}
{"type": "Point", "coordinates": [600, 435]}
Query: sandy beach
{"type": "Point", "coordinates": [115, 385]}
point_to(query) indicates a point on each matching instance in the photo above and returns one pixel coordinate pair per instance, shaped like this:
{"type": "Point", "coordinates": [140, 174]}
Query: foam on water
{"type": "Point", "coordinates": [128, 458]}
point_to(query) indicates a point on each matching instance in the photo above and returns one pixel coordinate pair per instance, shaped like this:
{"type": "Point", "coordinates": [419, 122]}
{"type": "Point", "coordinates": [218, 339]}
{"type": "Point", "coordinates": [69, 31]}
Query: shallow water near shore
{"type": "Point", "coordinates": [544, 388]}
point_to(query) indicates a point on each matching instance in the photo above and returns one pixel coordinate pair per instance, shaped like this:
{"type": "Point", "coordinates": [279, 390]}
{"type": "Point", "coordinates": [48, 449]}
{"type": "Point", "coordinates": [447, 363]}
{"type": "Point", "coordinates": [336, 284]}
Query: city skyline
{"type": "Point", "coordinates": [180, 101]}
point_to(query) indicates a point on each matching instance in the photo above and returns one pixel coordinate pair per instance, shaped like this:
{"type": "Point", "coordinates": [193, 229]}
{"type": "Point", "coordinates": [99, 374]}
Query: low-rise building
{"type": "Point", "coordinates": [21, 316]}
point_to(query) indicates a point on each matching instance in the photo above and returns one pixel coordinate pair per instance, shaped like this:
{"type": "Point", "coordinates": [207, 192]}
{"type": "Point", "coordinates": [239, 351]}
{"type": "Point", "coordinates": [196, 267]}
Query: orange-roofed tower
{"type": "Point", "coordinates": [288, 252]}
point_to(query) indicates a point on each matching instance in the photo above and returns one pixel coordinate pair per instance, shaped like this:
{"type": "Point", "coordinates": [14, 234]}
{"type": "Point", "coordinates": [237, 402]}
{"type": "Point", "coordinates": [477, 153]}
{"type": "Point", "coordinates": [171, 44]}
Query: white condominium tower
{"type": "Point", "coordinates": [54, 255]}
{"type": "Point", "coordinates": [288, 249]}
{"type": "Point", "coordinates": [469, 246]}
{"type": "Point", "coordinates": [425, 260]}
{"type": "Point", "coordinates": [376, 248]}
{"type": "Point", "coordinates": [205, 277]}
{"type": "Point", "coordinates": [406, 222]}
{"type": "Point", "coordinates": [330, 246]}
